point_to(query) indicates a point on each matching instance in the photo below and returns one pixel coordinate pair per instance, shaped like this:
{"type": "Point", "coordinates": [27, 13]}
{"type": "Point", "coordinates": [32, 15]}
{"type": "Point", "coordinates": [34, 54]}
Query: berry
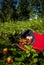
{"type": "Point", "coordinates": [9, 60]}
{"type": "Point", "coordinates": [5, 51]}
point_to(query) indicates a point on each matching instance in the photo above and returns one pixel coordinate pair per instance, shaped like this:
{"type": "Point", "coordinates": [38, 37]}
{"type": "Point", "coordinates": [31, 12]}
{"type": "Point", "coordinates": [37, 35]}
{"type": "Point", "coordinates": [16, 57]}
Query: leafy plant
{"type": "Point", "coordinates": [20, 57]}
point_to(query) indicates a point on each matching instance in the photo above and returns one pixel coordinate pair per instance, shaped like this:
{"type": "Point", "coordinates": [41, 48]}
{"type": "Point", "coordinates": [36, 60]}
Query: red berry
{"type": "Point", "coordinates": [9, 60]}
{"type": "Point", "coordinates": [5, 51]}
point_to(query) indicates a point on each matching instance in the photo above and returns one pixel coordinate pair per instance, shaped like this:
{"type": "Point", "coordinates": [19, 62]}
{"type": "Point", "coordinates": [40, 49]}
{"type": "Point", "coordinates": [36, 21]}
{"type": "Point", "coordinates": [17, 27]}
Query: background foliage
{"type": "Point", "coordinates": [21, 9]}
